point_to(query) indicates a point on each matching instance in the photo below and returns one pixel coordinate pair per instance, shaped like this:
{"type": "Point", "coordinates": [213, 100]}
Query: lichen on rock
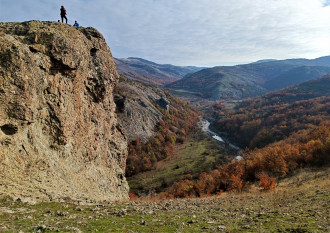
{"type": "Point", "coordinates": [59, 135]}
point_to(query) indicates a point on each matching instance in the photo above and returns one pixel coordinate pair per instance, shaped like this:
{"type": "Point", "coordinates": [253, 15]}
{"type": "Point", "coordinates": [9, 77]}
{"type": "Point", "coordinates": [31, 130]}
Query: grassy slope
{"type": "Point", "coordinates": [300, 204]}
{"type": "Point", "coordinates": [199, 153]}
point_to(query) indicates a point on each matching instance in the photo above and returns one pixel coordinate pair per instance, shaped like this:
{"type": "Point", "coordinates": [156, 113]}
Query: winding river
{"type": "Point", "coordinates": [206, 128]}
{"type": "Point", "coordinates": [205, 125]}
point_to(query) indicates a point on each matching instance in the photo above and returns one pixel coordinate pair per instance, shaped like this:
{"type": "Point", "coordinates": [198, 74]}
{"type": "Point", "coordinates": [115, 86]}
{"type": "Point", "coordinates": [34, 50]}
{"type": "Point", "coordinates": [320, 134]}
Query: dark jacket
{"type": "Point", "coordinates": [63, 11]}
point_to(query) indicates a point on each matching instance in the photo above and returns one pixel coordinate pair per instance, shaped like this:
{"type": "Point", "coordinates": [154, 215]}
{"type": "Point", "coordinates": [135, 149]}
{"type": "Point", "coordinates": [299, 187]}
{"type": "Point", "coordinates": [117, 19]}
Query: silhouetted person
{"type": "Point", "coordinates": [63, 14]}
{"type": "Point", "coordinates": [76, 24]}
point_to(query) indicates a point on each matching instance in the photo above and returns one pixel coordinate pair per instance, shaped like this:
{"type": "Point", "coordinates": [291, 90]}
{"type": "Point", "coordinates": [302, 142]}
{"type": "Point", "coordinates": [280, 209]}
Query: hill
{"type": "Point", "coordinates": [154, 121]}
{"type": "Point", "coordinates": [137, 108]}
{"type": "Point", "coordinates": [274, 116]}
{"type": "Point", "coordinates": [321, 61]}
{"type": "Point", "coordinates": [219, 83]}
{"type": "Point", "coordinates": [308, 90]}
{"type": "Point", "coordinates": [150, 72]}
{"type": "Point", "coordinates": [250, 80]}
{"type": "Point", "coordinates": [296, 75]}
{"type": "Point", "coordinates": [263, 61]}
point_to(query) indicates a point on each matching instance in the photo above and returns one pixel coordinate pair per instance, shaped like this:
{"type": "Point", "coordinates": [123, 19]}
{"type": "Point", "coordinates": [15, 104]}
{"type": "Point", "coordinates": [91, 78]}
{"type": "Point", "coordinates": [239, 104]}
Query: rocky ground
{"type": "Point", "coordinates": [300, 204]}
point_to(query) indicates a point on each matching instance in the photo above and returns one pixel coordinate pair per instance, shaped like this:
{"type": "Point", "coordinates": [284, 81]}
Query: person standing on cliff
{"type": "Point", "coordinates": [63, 14]}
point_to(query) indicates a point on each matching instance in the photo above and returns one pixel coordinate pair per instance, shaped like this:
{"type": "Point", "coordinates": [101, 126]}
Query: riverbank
{"type": "Point", "coordinates": [205, 126]}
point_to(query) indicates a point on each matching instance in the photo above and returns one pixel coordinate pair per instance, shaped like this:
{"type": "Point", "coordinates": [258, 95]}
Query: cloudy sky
{"type": "Point", "coordinates": [194, 32]}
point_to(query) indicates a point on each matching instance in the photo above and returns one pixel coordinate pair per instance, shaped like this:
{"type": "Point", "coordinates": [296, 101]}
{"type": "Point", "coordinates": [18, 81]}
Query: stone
{"type": "Point", "coordinates": [136, 109]}
{"type": "Point", "coordinates": [143, 222]}
{"type": "Point", "coordinates": [191, 221]}
{"type": "Point", "coordinates": [122, 212]}
{"type": "Point", "coordinates": [61, 213]}
{"type": "Point", "coordinates": [42, 228]}
{"type": "Point", "coordinates": [221, 228]}
{"type": "Point", "coordinates": [59, 134]}
{"type": "Point", "coordinates": [163, 103]}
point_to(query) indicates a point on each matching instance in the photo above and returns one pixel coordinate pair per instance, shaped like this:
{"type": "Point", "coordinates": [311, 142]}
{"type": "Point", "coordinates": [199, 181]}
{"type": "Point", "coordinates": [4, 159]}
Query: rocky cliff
{"type": "Point", "coordinates": [59, 136]}
{"type": "Point", "coordinates": [136, 108]}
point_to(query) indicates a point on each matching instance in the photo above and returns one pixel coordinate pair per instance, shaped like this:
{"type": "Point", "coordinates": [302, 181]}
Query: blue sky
{"type": "Point", "coordinates": [194, 32]}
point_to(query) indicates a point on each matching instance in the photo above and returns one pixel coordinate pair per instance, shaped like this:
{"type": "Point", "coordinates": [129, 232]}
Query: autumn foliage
{"type": "Point", "coordinates": [173, 129]}
{"type": "Point", "coordinates": [266, 182]}
{"type": "Point", "coordinates": [303, 148]}
{"type": "Point", "coordinates": [281, 133]}
{"type": "Point", "coordinates": [261, 121]}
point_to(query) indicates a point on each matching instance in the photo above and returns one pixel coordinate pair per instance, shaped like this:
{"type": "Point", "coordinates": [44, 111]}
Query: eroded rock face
{"type": "Point", "coordinates": [59, 135]}
{"type": "Point", "coordinates": [136, 108]}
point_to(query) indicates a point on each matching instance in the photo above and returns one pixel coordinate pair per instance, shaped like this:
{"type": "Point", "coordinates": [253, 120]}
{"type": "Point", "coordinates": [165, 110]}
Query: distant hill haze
{"type": "Point", "coordinates": [150, 72]}
{"type": "Point", "coordinates": [250, 80]}
{"type": "Point", "coordinates": [307, 90]}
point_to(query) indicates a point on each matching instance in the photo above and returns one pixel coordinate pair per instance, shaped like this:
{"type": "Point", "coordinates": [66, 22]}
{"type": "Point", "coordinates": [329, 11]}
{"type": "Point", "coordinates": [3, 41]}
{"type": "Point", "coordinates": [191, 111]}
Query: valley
{"type": "Point", "coordinates": [89, 142]}
{"type": "Point", "coordinates": [205, 125]}
{"type": "Point", "coordinates": [267, 126]}
{"type": "Point", "coordinates": [199, 153]}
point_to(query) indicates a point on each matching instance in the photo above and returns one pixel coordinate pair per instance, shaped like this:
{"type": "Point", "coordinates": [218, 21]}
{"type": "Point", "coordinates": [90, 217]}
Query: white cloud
{"type": "Point", "coordinates": [194, 32]}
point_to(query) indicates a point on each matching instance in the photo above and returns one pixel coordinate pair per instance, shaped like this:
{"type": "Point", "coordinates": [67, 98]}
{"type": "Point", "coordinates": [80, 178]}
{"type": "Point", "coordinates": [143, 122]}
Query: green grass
{"type": "Point", "coordinates": [292, 208]}
{"type": "Point", "coordinates": [199, 154]}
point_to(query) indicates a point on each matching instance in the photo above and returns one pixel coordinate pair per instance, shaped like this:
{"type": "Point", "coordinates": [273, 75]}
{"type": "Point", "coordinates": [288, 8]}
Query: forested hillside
{"type": "Point", "coordinates": [177, 122]}
{"type": "Point", "coordinates": [296, 75]}
{"type": "Point", "coordinates": [266, 165]}
{"type": "Point", "coordinates": [249, 80]}
{"type": "Point", "coordinates": [154, 122]}
{"type": "Point", "coordinates": [272, 117]}
{"type": "Point", "coordinates": [281, 131]}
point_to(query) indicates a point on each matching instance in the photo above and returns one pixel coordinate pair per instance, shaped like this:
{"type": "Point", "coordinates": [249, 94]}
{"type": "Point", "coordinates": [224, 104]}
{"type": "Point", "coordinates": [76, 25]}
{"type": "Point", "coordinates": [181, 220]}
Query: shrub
{"type": "Point", "coordinates": [266, 182]}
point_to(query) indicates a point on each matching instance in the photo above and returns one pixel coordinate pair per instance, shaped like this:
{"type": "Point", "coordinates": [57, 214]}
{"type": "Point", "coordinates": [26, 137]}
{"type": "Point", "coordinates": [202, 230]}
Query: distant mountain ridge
{"type": "Point", "coordinates": [263, 61]}
{"type": "Point", "coordinates": [150, 72]}
{"type": "Point", "coordinates": [296, 75]}
{"type": "Point", "coordinates": [307, 90]}
{"type": "Point", "coordinates": [250, 80]}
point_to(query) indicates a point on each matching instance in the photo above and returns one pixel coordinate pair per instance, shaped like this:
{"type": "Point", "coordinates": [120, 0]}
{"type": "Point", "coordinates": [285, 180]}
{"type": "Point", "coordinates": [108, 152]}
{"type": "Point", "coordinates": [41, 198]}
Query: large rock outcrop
{"type": "Point", "coordinates": [59, 136]}
{"type": "Point", "coordinates": [137, 108]}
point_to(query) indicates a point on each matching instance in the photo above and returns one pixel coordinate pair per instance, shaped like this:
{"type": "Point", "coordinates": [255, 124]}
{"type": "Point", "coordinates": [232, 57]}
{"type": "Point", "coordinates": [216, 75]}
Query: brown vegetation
{"type": "Point", "coordinates": [306, 147]}
{"type": "Point", "coordinates": [259, 122]}
{"type": "Point", "coordinates": [173, 129]}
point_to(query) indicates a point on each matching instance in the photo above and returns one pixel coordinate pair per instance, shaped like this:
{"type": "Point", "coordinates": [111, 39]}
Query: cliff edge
{"type": "Point", "coordinates": [59, 135]}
